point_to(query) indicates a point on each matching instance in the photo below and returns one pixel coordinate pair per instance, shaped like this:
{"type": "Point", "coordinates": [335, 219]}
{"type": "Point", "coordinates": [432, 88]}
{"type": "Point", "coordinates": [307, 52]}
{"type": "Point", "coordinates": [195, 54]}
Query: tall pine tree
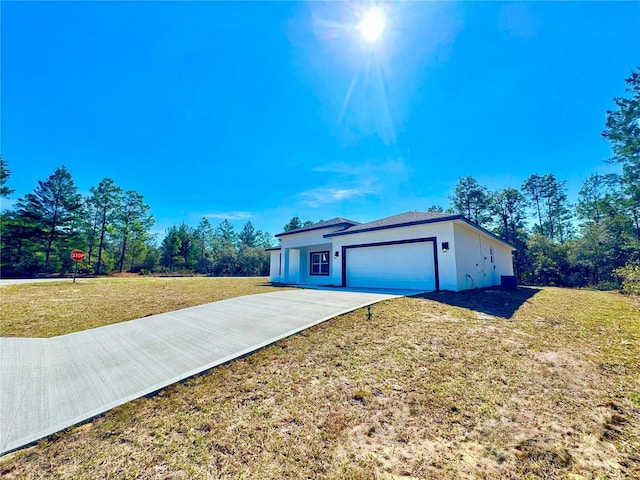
{"type": "Point", "coordinates": [52, 206]}
{"type": "Point", "coordinates": [107, 198]}
{"type": "Point", "coordinates": [472, 200]}
{"type": "Point", "coordinates": [623, 131]}
{"type": "Point", "coordinates": [5, 191]}
{"type": "Point", "coordinates": [133, 222]}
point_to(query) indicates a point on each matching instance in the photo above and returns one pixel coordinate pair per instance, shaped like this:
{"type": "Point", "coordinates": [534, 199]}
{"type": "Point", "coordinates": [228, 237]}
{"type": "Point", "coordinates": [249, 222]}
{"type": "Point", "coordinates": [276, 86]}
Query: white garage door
{"type": "Point", "coordinates": [408, 265]}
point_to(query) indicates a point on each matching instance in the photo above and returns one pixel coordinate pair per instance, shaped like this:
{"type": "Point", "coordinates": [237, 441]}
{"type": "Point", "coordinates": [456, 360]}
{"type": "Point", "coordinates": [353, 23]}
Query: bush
{"type": "Point", "coordinates": [630, 276]}
{"type": "Point", "coordinates": [606, 285]}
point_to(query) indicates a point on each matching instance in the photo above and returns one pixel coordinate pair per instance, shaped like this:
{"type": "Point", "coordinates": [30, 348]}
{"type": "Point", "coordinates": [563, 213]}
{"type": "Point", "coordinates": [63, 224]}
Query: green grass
{"type": "Point", "coordinates": [50, 309]}
{"type": "Point", "coordinates": [529, 384]}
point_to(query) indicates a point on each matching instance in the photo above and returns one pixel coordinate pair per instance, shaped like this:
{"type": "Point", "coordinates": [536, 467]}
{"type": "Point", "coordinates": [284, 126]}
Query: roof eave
{"type": "Point", "coordinates": [310, 229]}
{"type": "Point", "coordinates": [396, 225]}
{"type": "Point", "coordinates": [487, 232]}
{"type": "Point", "coordinates": [449, 218]}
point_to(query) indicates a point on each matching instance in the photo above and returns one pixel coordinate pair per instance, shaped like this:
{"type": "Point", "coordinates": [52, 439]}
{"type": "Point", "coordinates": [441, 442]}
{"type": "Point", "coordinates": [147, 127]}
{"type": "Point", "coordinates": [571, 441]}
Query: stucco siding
{"type": "Point", "coordinates": [465, 257]}
{"type": "Point", "coordinates": [275, 271]}
{"type": "Point", "coordinates": [480, 259]}
{"type": "Point", "coordinates": [443, 232]}
{"type": "Point", "coordinates": [304, 239]}
{"type": "Point", "coordinates": [292, 270]}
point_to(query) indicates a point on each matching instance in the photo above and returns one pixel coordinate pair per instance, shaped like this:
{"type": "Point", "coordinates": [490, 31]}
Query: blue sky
{"type": "Point", "coordinates": [267, 110]}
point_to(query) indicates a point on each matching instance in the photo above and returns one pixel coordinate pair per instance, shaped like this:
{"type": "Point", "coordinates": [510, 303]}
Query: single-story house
{"type": "Point", "coordinates": [412, 250]}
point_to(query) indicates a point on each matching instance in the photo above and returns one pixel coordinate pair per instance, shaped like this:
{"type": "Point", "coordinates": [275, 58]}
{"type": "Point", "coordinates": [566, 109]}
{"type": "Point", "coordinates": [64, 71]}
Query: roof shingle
{"type": "Point", "coordinates": [317, 226]}
{"type": "Point", "coordinates": [407, 218]}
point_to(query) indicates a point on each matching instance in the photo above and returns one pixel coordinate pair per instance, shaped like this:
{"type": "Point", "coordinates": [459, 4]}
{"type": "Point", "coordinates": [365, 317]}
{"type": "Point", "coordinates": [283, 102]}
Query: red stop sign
{"type": "Point", "coordinates": [77, 255]}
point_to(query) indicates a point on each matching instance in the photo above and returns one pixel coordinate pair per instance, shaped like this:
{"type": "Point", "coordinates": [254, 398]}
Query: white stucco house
{"type": "Point", "coordinates": [412, 250]}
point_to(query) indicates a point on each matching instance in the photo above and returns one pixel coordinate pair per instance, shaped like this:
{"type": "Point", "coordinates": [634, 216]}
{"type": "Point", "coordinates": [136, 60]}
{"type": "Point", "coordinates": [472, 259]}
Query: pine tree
{"type": "Point", "coordinates": [249, 235]}
{"type": "Point", "coordinates": [5, 191]}
{"type": "Point", "coordinates": [226, 234]}
{"type": "Point", "coordinates": [472, 200]}
{"type": "Point", "coordinates": [134, 221]}
{"type": "Point", "coordinates": [293, 224]}
{"type": "Point", "coordinates": [508, 208]}
{"type": "Point", "coordinates": [532, 187]}
{"type": "Point", "coordinates": [52, 206]}
{"type": "Point", "coordinates": [107, 197]}
{"type": "Point", "coordinates": [623, 131]}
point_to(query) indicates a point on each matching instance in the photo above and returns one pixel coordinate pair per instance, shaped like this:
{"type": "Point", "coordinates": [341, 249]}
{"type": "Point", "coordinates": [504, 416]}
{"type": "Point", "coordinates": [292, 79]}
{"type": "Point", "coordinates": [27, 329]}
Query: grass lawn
{"type": "Point", "coordinates": [539, 383]}
{"type": "Point", "coordinates": [50, 309]}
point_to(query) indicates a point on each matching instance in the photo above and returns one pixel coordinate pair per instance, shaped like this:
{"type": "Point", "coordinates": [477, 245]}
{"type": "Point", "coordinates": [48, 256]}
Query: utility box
{"type": "Point", "coordinates": [509, 281]}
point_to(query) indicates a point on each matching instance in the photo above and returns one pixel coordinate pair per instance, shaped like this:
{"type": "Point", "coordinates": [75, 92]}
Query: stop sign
{"type": "Point", "coordinates": [77, 255]}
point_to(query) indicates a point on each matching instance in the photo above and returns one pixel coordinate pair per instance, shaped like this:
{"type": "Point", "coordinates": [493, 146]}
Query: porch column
{"type": "Point", "coordinates": [285, 265]}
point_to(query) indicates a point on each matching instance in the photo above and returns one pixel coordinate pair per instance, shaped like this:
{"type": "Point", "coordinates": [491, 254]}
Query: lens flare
{"type": "Point", "coordinates": [372, 25]}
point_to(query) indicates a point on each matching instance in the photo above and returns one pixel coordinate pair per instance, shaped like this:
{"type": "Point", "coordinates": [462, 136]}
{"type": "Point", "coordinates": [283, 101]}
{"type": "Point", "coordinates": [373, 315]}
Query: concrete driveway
{"type": "Point", "coordinates": [49, 384]}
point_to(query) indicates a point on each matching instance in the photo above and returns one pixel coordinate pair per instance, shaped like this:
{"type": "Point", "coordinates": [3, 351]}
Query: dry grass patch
{"type": "Point", "coordinates": [534, 384]}
{"type": "Point", "coordinates": [50, 309]}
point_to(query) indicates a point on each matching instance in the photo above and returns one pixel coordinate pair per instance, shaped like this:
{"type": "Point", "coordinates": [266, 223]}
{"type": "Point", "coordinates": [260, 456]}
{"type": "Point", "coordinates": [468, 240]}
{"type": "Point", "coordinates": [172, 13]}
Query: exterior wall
{"type": "Point", "coordinates": [296, 249]}
{"type": "Point", "coordinates": [305, 239]}
{"type": "Point", "coordinates": [442, 231]}
{"type": "Point", "coordinates": [275, 271]}
{"type": "Point", "coordinates": [474, 265]}
{"type": "Point", "coordinates": [466, 264]}
{"type": "Point", "coordinates": [292, 272]}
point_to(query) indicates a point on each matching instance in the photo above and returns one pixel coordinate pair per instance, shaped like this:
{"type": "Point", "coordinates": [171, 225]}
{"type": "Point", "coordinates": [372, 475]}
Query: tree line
{"type": "Point", "coordinates": [562, 244]}
{"type": "Point", "coordinates": [595, 241]}
{"type": "Point", "coordinates": [216, 251]}
{"type": "Point", "coordinates": [113, 228]}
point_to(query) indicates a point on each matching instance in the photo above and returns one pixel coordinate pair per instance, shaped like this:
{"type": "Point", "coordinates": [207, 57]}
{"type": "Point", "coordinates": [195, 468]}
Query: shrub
{"type": "Point", "coordinates": [607, 285]}
{"type": "Point", "coordinates": [630, 276]}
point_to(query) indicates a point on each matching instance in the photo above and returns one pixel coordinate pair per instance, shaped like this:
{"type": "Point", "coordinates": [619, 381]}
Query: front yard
{"type": "Point", "coordinates": [51, 309]}
{"type": "Point", "coordinates": [539, 383]}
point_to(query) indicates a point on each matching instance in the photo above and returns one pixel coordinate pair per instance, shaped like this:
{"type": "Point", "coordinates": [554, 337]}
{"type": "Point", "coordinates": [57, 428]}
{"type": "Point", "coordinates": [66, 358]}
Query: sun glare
{"type": "Point", "coordinates": [372, 25]}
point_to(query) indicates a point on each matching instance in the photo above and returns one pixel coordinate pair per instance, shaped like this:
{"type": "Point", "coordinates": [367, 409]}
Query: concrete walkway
{"type": "Point", "coordinates": [49, 384]}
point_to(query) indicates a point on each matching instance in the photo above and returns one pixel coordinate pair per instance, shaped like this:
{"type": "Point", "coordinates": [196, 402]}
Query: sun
{"type": "Point", "coordinates": [372, 25]}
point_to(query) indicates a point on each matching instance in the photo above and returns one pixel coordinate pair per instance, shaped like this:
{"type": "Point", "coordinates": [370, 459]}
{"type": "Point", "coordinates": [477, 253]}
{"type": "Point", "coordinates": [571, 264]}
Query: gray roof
{"type": "Point", "coordinates": [334, 222]}
{"type": "Point", "coordinates": [400, 220]}
{"type": "Point", "coordinates": [412, 218]}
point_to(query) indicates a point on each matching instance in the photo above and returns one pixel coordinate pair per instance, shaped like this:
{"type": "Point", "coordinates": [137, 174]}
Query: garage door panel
{"type": "Point", "coordinates": [391, 266]}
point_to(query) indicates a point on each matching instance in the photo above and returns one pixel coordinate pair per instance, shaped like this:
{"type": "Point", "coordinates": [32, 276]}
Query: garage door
{"type": "Point", "coordinates": [408, 265]}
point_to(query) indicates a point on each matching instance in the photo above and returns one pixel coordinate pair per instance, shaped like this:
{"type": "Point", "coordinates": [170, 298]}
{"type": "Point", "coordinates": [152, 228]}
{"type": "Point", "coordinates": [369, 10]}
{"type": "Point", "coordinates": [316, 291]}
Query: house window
{"type": "Point", "coordinates": [491, 253]}
{"type": "Point", "coordinates": [320, 263]}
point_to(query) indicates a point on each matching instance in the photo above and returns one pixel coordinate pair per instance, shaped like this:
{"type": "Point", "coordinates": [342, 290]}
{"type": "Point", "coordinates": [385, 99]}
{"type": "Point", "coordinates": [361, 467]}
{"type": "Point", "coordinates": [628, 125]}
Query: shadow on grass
{"type": "Point", "coordinates": [496, 302]}
{"type": "Point", "coordinates": [287, 286]}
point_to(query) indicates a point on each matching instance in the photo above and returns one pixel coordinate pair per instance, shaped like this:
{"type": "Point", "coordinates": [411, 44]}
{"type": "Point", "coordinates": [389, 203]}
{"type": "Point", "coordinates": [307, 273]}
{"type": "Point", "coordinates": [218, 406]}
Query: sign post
{"type": "Point", "coordinates": [76, 256]}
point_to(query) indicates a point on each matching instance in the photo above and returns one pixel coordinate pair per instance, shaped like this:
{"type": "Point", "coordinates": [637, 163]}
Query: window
{"type": "Point", "coordinates": [491, 253]}
{"type": "Point", "coordinates": [320, 263]}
